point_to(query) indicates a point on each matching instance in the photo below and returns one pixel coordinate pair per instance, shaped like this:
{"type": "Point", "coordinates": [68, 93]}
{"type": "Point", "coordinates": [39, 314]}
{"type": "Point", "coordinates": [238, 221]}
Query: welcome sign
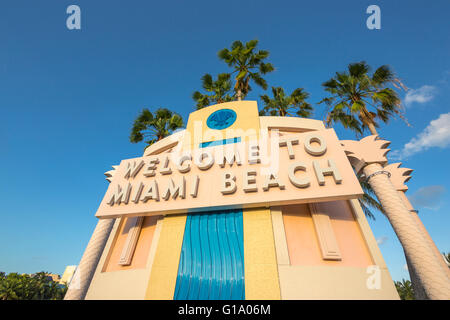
{"type": "Point", "coordinates": [293, 168]}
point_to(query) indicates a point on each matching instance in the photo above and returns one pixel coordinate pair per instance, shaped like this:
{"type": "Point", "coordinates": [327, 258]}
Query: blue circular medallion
{"type": "Point", "coordinates": [221, 119]}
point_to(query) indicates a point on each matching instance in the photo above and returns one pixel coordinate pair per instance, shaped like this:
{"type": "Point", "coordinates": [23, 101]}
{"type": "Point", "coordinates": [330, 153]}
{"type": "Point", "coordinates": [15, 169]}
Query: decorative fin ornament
{"type": "Point", "coordinates": [399, 176]}
{"type": "Point", "coordinates": [368, 150]}
{"type": "Point", "coordinates": [110, 174]}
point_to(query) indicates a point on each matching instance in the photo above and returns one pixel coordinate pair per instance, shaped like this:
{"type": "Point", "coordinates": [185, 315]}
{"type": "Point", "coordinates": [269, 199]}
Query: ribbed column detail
{"type": "Point", "coordinates": [435, 281]}
{"type": "Point", "coordinates": [86, 268]}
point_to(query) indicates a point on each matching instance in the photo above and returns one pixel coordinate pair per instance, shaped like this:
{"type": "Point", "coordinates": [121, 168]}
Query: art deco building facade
{"type": "Point", "coordinates": [237, 206]}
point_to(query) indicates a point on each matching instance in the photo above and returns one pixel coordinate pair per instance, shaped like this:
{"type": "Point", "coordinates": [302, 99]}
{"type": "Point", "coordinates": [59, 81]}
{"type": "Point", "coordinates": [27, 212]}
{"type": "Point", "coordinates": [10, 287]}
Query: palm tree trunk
{"type": "Point", "coordinates": [425, 233]}
{"type": "Point", "coordinates": [419, 291]}
{"type": "Point", "coordinates": [367, 119]}
{"type": "Point", "coordinates": [372, 128]}
{"type": "Point", "coordinates": [239, 95]}
{"type": "Point", "coordinates": [435, 281]}
{"type": "Point", "coordinates": [86, 268]}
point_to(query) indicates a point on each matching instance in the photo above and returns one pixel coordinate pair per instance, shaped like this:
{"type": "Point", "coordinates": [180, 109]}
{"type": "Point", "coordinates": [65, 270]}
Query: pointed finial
{"type": "Point", "coordinates": [368, 150]}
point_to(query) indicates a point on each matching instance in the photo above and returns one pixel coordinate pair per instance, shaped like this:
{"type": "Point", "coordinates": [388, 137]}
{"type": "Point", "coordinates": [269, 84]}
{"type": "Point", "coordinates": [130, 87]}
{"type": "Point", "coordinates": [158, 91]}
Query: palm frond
{"type": "Point", "coordinates": [154, 126]}
{"type": "Point", "coordinates": [358, 100]}
{"type": "Point", "coordinates": [248, 65]}
{"type": "Point", "coordinates": [287, 105]}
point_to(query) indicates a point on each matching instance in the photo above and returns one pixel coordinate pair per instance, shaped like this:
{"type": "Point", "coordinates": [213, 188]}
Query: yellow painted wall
{"type": "Point", "coordinates": [260, 262]}
{"type": "Point", "coordinates": [163, 276]}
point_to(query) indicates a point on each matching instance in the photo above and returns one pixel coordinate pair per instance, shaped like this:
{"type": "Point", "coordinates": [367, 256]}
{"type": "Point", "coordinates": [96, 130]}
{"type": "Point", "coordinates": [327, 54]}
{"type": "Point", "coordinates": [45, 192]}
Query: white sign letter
{"type": "Point", "coordinates": [133, 168]}
{"type": "Point", "coordinates": [289, 142]}
{"type": "Point", "coordinates": [315, 151]}
{"type": "Point", "coordinates": [332, 170]}
{"type": "Point", "coordinates": [175, 189]}
{"type": "Point", "coordinates": [121, 195]}
{"type": "Point", "coordinates": [272, 180]}
{"type": "Point", "coordinates": [249, 181]}
{"type": "Point", "coordinates": [228, 183]}
{"type": "Point", "coordinates": [299, 183]}
{"type": "Point", "coordinates": [151, 193]}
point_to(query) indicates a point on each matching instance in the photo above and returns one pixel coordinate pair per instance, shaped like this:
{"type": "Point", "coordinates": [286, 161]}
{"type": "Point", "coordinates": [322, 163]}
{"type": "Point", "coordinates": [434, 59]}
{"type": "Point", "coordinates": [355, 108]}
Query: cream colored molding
{"type": "Point", "coordinates": [130, 243]}
{"type": "Point", "coordinates": [333, 283]}
{"type": "Point", "coordinates": [292, 124]}
{"type": "Point", "coordinates": [279, 235]}
{"type": "Point", "coordinates": [368, 236]}
{"type": "Point", "coordinates": [165, 144]}
{"type": "Point", "coordinates": [325, 234]}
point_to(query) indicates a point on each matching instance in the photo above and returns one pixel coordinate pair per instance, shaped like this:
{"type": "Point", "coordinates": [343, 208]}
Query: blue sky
{"type": "Point", "coordinates": [68, 99]}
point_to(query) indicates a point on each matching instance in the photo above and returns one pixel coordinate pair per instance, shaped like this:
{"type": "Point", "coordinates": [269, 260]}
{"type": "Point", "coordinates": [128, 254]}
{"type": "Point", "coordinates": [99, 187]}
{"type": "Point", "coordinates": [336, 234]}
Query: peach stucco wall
{"type": "Point", "coordinates": [142, 247]}
{"type": "Point", "coordinates": [302, 239]}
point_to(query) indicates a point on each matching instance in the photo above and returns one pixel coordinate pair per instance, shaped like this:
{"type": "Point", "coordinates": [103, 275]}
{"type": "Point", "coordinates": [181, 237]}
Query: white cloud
{"type": "Point", "coordinates": [423, 94]}
{"type": "Point", "coordinates": [436, 134]}
{"type": "Point", "coordinates": [428, 197]}
{"type": "Point", "coordinates": [405, 267]}
{"type": "Point", "coordinates": [394, 155]}
{"type": "Point", "coordinates": [382, 240]}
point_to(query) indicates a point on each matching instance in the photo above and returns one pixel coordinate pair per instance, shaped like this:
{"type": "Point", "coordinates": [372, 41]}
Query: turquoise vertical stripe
{"type": "Point", "coordinates": [216, 260]}
{"type": "Point", "coordinates": [212, 257]}
{"type": "Point", "coordinates": [205, 279]}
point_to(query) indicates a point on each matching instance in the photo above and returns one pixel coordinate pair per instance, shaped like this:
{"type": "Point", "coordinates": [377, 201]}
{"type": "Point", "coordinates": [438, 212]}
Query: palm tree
{"type": "Point", "coordinates": [248, 65]}
{"type": "Point", "coordinates": [404, 289]}
{"type": "Point", "coordinates": [287, 105]}
{"type": "Point", "coordinates": [359, 101]}
{"type": "Point", "coordinates": [219, 90]}
{"type": "Point", "coordinates": [39, 286]}
{"type": "Point", "coordinates": [154, 127]}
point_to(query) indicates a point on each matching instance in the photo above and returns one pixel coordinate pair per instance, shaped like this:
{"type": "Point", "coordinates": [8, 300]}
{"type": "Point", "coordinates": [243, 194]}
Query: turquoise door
{"type": "Point", "coordinates": [212, 257]}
